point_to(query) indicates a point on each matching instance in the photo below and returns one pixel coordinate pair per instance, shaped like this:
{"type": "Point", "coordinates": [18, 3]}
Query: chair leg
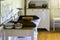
{"type": "Point", "coordinates": [3, 36]}
{"type": "Point", "coordinates": [53, 25]}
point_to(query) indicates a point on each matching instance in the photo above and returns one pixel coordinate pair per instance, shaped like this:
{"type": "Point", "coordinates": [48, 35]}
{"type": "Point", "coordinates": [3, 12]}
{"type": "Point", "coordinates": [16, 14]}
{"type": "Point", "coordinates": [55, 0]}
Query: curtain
{"type": "Point", "coordinates": [9, 9]}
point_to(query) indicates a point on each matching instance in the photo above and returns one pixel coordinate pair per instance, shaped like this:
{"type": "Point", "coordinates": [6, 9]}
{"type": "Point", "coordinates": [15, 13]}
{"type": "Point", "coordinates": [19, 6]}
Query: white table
{"type": "Point", "coordinates": [1, 27]}
{"type": "Point", "coordinates": [15, 32]}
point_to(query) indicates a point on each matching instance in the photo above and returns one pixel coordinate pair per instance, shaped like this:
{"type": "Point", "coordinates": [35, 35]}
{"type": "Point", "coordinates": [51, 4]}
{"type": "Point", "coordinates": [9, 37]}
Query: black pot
{"type": "Point", "coordinates": [31, 5]}
{"type": "Point", "coordinates": [44, 6]}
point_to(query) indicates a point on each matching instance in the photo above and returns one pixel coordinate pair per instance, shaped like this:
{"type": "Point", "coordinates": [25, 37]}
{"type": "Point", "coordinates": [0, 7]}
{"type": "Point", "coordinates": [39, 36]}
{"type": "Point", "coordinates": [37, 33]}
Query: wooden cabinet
{"type": "Point", "coordinates": [43, 14]}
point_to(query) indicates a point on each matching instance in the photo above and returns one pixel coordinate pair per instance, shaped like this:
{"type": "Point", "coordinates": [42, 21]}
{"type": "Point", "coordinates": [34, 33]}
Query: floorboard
{"type": "Point", "coordinates": [45, 35]}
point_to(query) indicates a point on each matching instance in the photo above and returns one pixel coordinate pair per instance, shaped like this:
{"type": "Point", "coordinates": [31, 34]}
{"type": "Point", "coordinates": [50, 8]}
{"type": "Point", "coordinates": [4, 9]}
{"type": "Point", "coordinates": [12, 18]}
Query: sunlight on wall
{"type": "Point", "coordinates": [59, 3]}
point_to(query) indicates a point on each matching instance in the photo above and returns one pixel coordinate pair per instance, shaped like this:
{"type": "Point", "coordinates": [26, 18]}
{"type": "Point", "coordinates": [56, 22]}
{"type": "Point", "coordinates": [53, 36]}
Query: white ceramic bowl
{"type": "Point", "coordinates": [9, 25]}
{"type": "Point", "coordinates": [18, 27]}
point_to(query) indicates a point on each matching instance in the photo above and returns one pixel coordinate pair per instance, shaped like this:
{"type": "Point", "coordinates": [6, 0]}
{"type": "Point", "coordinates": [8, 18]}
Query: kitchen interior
{"type": "Point", "coordinates": [29, 19]}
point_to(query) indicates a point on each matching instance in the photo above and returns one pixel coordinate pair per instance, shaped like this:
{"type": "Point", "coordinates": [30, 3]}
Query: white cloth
{"type": "Point", "coordinates": [10, 16]}
{"type": "Point", "coordinates": [7, 11]}
{"type": "Point", "coordinates": [36, 22]}
{"type": "Point", "coordinates": [21, 38]}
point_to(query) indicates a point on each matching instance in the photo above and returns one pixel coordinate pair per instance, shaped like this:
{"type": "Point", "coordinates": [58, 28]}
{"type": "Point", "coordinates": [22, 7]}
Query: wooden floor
{"type": "Point", "coordinates": [44, 35]}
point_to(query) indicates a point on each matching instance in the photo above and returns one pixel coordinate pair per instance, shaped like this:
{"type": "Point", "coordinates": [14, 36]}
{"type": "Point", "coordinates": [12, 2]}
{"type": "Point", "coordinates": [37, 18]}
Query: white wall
{"type": "Point", "coordinates": [54, 6]}
{"type": "Point", "coordinates": [55, 13]}
{"type": "Point", "coordinates": [54, 3]}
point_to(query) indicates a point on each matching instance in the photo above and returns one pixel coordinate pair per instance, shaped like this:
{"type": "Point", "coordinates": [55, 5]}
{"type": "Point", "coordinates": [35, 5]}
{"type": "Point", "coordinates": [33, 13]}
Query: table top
{"type": "Point", "coordinates": [25, 28]}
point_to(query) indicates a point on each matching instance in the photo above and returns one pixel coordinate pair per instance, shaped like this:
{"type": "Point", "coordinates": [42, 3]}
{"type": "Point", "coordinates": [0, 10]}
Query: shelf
{"type": "Point", "coordinates": [20, 8]}
{"type": "Point", "coordinates": [37, 8]}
